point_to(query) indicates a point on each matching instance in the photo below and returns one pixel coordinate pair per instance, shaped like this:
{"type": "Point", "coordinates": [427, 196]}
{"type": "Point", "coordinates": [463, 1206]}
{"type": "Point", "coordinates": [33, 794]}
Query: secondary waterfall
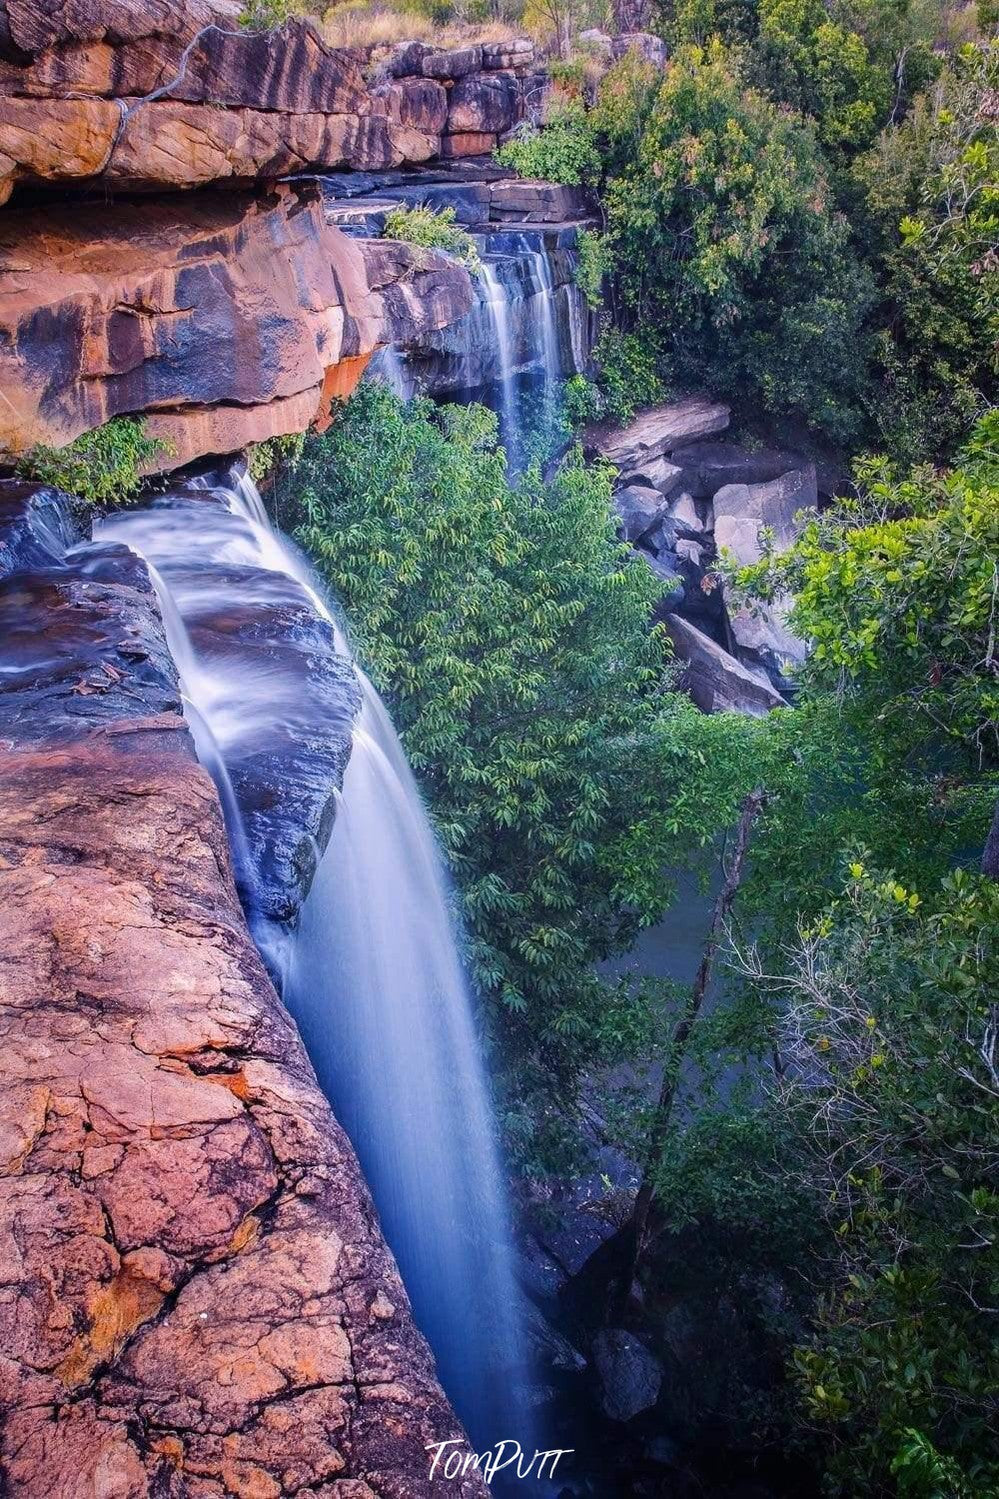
{"type": "Point", "coordinates": [372, 973]}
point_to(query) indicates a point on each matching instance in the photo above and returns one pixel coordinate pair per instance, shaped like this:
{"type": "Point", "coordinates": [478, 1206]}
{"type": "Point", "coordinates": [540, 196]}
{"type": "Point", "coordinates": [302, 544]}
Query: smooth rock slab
{"type": "Point", "coordinates": [656, 431]}
{"type": "Point", "coordinates": [716, 681]}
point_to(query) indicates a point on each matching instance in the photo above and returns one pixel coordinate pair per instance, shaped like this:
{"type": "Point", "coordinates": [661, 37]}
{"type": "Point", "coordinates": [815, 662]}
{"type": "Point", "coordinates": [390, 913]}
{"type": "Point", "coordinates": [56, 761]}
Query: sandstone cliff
{"type": "Point", "coordinates": [195, 1299]}
{"type": "Point", "coordinates": [146, 94]}
{"type": "Point", "coordinates": [226, 318]}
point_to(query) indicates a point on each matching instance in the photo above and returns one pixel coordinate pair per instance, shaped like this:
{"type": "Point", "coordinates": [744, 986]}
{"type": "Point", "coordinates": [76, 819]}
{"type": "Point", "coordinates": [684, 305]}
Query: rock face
{"type": "Point", "coordinates": [630, 1378]}
{"type": "Point", "coordinates": [716, 680]}
{"type": "Point", "coordinates": [657, 431]}
{"type": "Point", "coordinates": [195, 1298]}
{"type": "Point", "coordinates": [264, 652]}
{"type": "Point", "coordinates": [226, 318]}
{"type": "Point", "coordinates": [684, 499]}
{"type": "Point", "coordinates": [148, 94]}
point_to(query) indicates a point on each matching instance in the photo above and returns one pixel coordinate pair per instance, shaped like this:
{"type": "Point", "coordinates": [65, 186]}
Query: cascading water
{"type": "Point", "coordinates": [372, 974]}
{"type": "Point", "coordinates": [498, 308]}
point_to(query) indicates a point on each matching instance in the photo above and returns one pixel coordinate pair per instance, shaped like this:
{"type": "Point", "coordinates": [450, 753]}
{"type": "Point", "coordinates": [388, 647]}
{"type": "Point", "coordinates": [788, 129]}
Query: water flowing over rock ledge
{"type": "Point", "coordinates": [196, 1297]}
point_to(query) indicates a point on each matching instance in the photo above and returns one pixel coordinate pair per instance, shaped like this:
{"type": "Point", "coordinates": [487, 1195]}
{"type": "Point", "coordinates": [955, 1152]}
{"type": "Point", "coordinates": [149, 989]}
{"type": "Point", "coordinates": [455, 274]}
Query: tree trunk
{"type": "Point", "coordinates": [631, 15]}
{"type": "Point", "coordinates": [990, 858]}
{"type": "Point", "coordinates": [659, 1133]}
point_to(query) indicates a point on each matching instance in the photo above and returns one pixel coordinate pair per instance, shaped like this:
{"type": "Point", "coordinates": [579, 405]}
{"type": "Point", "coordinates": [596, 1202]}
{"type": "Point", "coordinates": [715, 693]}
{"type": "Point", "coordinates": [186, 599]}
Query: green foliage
{"type": "Point", "coordinates": [626, 374]}
{"type": "Point", "coordinates": [510, 630]}
{"type": "Point", "coordinates": [899, 592]}
{"type": "Point", "coordinates": [887, 1041]}
{"type": "Point", "coordinates": [273, 453]}
{"type": "Point", "coordinates": [563, 151]}
{"type": "Point", "coordinates": [594, 264]}
{"type": "Point", "coordinates": [932, 200]}
{"type": "Point", "coordinates": [726, 238]}
{"type": "Point", "coordinates": [434, 229]}
{"type": "Point", "coordinates": [266, 15]}
{"type": "Point", "coordinates": [102, 467]}
{"type": "Point", "coordinates": [581, 401]}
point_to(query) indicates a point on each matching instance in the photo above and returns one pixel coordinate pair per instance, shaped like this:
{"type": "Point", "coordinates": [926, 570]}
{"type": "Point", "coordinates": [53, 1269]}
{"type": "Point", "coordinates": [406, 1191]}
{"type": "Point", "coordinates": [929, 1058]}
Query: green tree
{"type": "Point", "coordinates": [888, 1081]}
{"type": "Point", "coordinates": [932, 204]}
{"type": "Point", "coordinates": [726, 237]}
{"type": "Point", "coordinates": [510, 630]}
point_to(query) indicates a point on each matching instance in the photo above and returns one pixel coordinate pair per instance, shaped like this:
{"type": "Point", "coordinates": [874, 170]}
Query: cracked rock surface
{"type": "Point", "coordinates": [195, 1297]}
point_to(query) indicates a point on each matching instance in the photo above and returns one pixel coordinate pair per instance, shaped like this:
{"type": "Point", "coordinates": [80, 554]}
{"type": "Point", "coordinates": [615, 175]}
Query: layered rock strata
{"type": "Point", "coordinates": [195, 1299]}
{"type": "Point", "coordinates": [144, 95]}
{"type": "Point", "coordinates": [224, 318]}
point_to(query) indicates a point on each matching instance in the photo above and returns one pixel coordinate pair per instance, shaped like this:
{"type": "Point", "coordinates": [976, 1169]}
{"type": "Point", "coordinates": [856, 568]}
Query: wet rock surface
{"type": "Point", "coordinates": [195, 1298]}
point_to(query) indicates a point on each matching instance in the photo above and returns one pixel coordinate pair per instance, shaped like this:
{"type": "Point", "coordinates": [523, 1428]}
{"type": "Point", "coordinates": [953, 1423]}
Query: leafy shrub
{"type": "Point", "coordinates": [627, 377]}
{"type": "Point", "coordinates": [266, 15]}
{"type": "Point", "coordinates": [274, 452]}
{"type": "Point", "coordinates": [593, 266]}
{"type": "Point", "coordinates": [564, 150]}
{"type": "Point", "coordinates": [725, 238]}
{"type": "Point", "coordinates": [930, 197]}
{"type": "Point", "coordinates": [436, 230]}
{"type": "Point", "coordinates": [510, 630]}
{"type": "Point", "coordinates": [102, 467]}
{"type": "Point", "coordinates": [581, 401]}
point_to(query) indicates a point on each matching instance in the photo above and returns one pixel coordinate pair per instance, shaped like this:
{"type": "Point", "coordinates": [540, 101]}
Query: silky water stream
{"type": "Point", "coordinates": [372, 970]}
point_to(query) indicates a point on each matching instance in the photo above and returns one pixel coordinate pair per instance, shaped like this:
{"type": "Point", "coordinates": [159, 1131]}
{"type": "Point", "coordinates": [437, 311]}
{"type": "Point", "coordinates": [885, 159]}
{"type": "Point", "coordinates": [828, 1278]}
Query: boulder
{"type": "Point", "coordinates": [716, 681]}
{"type": "Point", "coordinates": [453, 64]}
{"type": "Point", "coordinates": [517, 52]}
{"type": "Point", "coordinates": [647, 46]}
{"type": "Point", "coordinates": [742, 510]}
{"type": "Point", "coordinates": [468, 143]}
{"type": "Point", "coordinates": [659, 472]}
{"type": "Point", "coordinates": [708, 466]}
{"type": "Point", "coordinates": [656, 431]}
{"type": "Point", "coordinates": [686, 517]}
{"type": "Point", "coordinates": [525, 202]}
{"type": "Point", "coordinates": [639, 508]}
{"type": "Point", "coordinates": [741, 513]}
{"type": "Point", "coordinates": [420, 103]}
{"type": "Point", "coordinates": [764, 639]}
{"type": "Point", "coordinates": [630, 1377]}
{"type": "Point", "coordinates": [664, 568]}
{"type": "Point", "coordinates": [484, 102]}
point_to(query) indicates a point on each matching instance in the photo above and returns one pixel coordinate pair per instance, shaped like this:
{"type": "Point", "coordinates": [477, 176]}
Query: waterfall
{"type": "Point", "coordinates": [497, 305]}
{"type": "Point", "coordinates": [545, 299]}
{"type": "Point", "coordinates": [372, 973]}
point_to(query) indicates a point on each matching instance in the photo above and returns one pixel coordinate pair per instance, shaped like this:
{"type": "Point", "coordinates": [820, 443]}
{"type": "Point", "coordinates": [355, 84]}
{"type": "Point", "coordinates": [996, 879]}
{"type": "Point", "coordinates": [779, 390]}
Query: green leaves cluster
{"type": "Point", "coordinates": [510, 631]}
{"type": "Point", "coordinates": [102, 467]}
{"type": "Point", "coordinates": [888, 1041]}
{"type": "Point", "coordinates": [565, 150]}
{"type": "Point", "coordinates": [435, 229]}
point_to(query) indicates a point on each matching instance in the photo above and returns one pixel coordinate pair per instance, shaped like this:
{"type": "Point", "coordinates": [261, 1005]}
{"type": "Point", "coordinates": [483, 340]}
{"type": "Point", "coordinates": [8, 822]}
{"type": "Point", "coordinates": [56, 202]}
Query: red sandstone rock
{"type": "Point", "coordinates": [226, 319]}
{"type": "Point", "coordinates": [468, 143]}
{"type": "Point", "coordinates": [486, 103]}
{"type": "Point", "coordinates": [195, 1298]}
